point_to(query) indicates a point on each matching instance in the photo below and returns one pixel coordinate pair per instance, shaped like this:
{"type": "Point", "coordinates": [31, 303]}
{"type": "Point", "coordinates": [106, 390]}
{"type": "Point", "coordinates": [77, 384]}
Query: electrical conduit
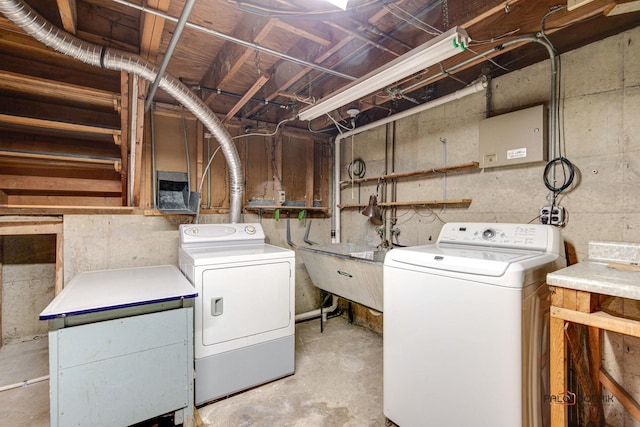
{"type": "Point", "coordinates": [36, 26]}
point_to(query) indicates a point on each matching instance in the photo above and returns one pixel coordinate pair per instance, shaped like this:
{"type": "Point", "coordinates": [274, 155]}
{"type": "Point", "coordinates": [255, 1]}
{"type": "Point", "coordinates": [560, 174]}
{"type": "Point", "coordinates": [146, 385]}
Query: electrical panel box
{"type": "Point", "coordinates": [514, 138]}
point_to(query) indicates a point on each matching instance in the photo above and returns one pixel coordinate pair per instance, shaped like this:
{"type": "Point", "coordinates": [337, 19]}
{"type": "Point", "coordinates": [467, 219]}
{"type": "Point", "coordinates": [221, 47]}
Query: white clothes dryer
{"type": "Point", "coordinates": [465, 326]}
{"type": "Point", "coordinates": [244, 312]}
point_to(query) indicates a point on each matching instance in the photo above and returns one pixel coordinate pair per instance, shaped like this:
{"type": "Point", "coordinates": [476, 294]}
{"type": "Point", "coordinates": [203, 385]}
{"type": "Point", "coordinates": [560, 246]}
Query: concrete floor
{"type": "Point", "coordinates": [338, 382]}
{"type": "Point", "coordinates": [27, 405]}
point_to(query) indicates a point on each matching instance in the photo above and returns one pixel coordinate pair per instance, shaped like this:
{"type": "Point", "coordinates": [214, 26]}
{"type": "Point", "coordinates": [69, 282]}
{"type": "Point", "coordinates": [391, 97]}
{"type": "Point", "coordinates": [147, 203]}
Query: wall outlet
{"type": "Point", "coordinates": [552, 215]}
{"type": "Point", "coordinates": [282, 197]}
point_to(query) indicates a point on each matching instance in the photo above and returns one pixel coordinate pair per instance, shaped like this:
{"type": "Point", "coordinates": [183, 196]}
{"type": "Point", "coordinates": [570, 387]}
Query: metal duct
{"type": "Point", "coordinates": [39, 28]}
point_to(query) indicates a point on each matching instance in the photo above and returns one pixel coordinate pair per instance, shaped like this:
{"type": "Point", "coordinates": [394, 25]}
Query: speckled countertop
{"type": "Point", "coordinates": [597, 273]}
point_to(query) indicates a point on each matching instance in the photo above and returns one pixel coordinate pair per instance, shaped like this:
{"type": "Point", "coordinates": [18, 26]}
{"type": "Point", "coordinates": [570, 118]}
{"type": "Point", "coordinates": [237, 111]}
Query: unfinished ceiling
{"type": "Point", "coordinates": [254, 63]}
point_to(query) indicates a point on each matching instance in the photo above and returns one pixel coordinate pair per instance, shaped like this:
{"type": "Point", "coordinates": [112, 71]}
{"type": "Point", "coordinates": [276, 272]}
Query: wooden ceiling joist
{"type": "Point", "coordinates": [307, 33]}
{"type": "Point", "coordinates": [152, 28]}
{"type": "Point", "coordinates": [262, 80]}
{"type": "Point", "coordinates": [69, 15]}
{"type": "Point", "coordinates": [232, 56]}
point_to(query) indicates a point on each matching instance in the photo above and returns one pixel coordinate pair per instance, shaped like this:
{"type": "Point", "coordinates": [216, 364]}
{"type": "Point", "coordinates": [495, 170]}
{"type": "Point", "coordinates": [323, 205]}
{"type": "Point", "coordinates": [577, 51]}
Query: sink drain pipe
{"type": "Point", "coordinates": [40, 29]}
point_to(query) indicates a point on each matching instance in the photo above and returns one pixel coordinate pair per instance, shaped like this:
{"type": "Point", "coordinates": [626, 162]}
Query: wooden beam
{"type": "Point", "coordinates": [307, 33]}
{"type": "Point", "coordinates": [124, 139]}
{"type": "Point", "coordinates": [56, 201]}
{"type": "Point", "coordinates": [58, 90]}
{"type": "Point", "coordinates": [68, 15]}
{"type": "Point", "coordinates": [276, 88]}
{"type": "Point", "coordinates": [49, 183]}
{"type": "Point", "coordinates": [581, 363]}
{"type": "Point", "coordinates": [139, 99]}
{"type": "Point", "coordinates": [199, 155]}
{"type": "Point", "coordinates": [599, 320]}
{"type": "Point", "coordinates": [623, 396]}
{"type": "Point", "coordinates": [264, 78]}
{"type": "Point", "coordinates": [59, 280]}
{"type": "Point", "coordinates": [558, 369]}
{"type": "Point", "coordinates": [310, 173]}
{"type": "Point", "coordinates": [67, 210]}
{"type": "Point", "coordinates": [152, 28]}
{"type": "Point", "coordinates": [61, 158]}
{"type": "Point", "coordinates": [18, 228]}
{"type": "Point", "coordinates": [232, 56]}
{"type": "Point", "coordinates": [55, 125]}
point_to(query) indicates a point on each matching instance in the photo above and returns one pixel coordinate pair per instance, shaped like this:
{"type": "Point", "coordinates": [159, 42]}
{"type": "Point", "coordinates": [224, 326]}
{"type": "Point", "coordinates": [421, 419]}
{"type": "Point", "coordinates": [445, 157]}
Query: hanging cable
{"type": "Point", "coordinates": [357, 168]}
{"type": "Point", "coordinates": [567, 166]}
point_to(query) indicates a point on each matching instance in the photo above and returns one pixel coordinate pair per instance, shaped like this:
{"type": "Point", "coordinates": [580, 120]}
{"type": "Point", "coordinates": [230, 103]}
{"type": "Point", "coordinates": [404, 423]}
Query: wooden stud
{"type": "Point", "coordinates": [199, 156]}
{"type": "Point", "coordinates": [581, 368]}
{"type": "Point", "coordinates": [570, 299]}
{"type": "Point", "coordinates": [595, 356]}
{"type": "Point", "coordinates": [139, 99]}
{"type": "Point", "coordinates": [557, 371]}
{"type": "Point", "coordinates": [124, 126]}
{"type": "Point", "coordinates": [310, 173]}
{"type": "Point", "coordinates": [586, 302]}
{"type": "Point", "coordinates": [557, 296]}
{"type": "Point", "coordinates": [59, 263]}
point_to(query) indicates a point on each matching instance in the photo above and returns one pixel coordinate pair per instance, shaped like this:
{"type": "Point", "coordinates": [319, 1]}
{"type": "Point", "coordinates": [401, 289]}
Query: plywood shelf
{"type": "Point", "coordinates": [453, 202]}
{"type": "Point", "coordinates": [423, 172]}
{"type": "Point", "coordinates": [322, 209]}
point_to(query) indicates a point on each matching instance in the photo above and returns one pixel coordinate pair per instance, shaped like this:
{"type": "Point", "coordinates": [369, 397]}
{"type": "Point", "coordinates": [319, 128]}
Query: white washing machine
{"type": "Point", "coordinates": [466, 326]}
{"type": "Point", "coordinates": [244, 312]}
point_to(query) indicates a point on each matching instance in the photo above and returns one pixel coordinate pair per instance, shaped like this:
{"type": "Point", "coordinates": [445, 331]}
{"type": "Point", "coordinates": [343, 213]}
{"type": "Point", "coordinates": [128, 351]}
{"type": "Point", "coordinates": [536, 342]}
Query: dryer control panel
{"type": "Point", "coordinates": [220, 234]}
{"type": "Point", "coordinates": [537, 237]}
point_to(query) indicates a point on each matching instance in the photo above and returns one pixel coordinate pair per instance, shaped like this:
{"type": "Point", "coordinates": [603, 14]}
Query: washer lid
{"type": "Point", "coordinates": [460, 258]}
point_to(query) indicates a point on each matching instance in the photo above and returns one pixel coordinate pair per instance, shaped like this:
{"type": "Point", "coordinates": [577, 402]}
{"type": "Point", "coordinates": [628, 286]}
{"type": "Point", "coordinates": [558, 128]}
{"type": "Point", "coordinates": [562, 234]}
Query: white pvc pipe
{"type": "Point", "coordinates": [316, 313]}
{"type": "Point", "coordinates": [469, 90]}
{"type": "Point", "coordinates": [24, 383]}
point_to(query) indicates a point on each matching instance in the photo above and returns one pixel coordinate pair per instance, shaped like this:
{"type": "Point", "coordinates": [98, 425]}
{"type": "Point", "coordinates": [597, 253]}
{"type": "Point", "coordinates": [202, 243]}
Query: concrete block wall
{"type": "Point", "coordinates": [97, 242]}
{"type": "Point", "coordinates": [599, 130]}
{"type": "Point", "coordinates": [27, 289]}
{"type": "Point", "coordinates": [599, 134]}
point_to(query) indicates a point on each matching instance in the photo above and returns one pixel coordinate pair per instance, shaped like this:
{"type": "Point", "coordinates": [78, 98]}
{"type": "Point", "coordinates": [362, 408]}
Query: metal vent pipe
{"type": "Point", "coordinates": [39, 28]}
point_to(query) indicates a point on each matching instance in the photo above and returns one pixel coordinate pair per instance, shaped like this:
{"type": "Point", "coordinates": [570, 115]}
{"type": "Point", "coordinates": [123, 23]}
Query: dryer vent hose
{"type": "Point", "coordinates": [39, 28]}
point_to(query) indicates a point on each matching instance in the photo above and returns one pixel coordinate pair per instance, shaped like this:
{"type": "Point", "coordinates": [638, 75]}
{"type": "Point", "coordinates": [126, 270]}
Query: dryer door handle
{"type": "Point", "coordinates": [217, 306]}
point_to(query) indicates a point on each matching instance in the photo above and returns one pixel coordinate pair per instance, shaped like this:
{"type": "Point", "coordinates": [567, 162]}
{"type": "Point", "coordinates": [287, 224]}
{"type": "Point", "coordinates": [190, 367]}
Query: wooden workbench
{"type": "Point", "coordinates": [578, 294]}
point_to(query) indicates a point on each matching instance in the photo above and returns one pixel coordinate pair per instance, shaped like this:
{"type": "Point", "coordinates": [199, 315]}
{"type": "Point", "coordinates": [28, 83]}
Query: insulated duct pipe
{"type": "Point", "coordinates": [39, 28]}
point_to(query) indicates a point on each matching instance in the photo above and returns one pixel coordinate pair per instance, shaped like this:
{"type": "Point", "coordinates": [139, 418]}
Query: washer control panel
{"type": "Point", "coordinates": [524, 236]}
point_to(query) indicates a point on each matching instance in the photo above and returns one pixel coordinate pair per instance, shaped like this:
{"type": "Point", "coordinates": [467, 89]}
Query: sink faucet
{"type": "Point", "coordinates": [384, 243]}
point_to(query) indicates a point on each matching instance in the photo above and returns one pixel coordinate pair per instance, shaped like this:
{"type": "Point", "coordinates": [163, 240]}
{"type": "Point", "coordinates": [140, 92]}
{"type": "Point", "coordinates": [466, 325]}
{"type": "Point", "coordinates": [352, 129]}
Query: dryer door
{"type": "Point", "coordinates": [244, 300]}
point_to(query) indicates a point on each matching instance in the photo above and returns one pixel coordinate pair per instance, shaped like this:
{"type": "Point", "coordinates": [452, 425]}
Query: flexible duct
{"type": "Point", "coordinates": [39, 28]}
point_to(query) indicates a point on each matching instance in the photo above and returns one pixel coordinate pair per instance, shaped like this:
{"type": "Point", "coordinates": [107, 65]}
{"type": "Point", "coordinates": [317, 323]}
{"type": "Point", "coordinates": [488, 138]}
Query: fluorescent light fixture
{"type": "Point", "coordinates": [435, 50]}
{"type": "Point", "coordinates": [342, 4]}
